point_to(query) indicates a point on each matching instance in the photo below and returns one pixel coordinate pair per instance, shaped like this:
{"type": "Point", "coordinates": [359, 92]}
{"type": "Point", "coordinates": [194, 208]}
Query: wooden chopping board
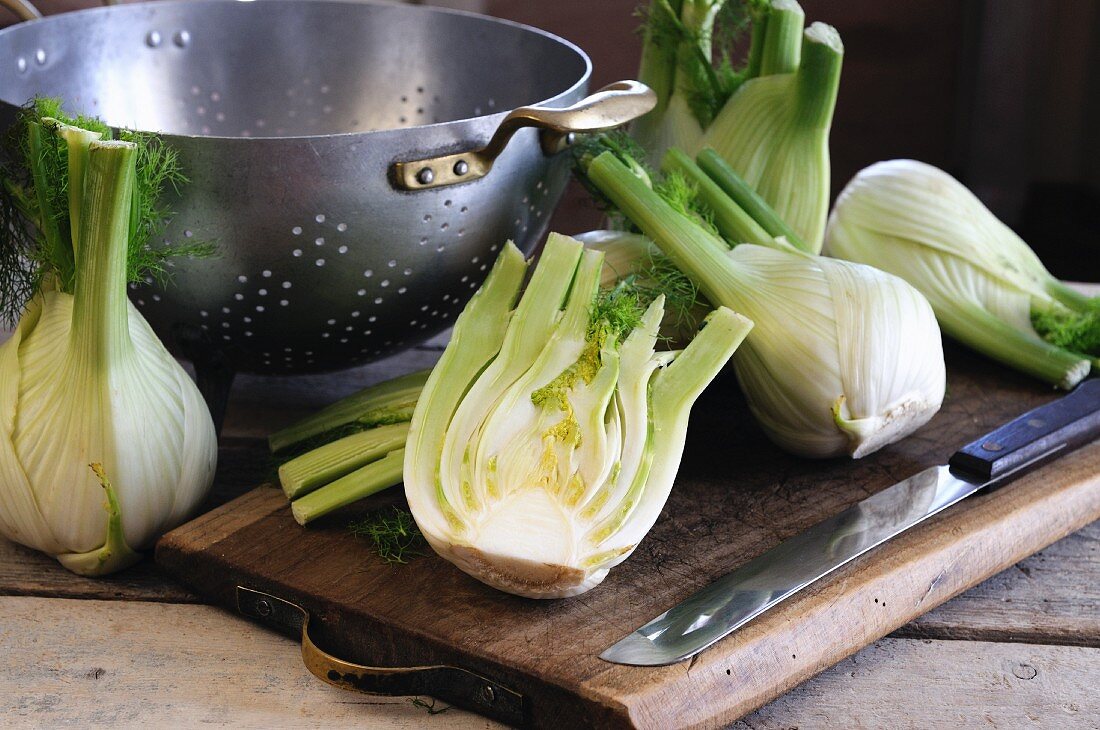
{"type": "Point", "coordinates": [735, 497]}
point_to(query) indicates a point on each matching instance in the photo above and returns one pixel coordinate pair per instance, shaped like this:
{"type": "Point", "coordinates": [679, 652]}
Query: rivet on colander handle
{"type": "Point", "coordinates": [615, 104]}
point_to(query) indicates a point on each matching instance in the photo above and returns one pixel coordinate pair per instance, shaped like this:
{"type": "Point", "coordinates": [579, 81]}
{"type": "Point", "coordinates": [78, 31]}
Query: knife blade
{"type": "Point", "coordinates": [712, 613]}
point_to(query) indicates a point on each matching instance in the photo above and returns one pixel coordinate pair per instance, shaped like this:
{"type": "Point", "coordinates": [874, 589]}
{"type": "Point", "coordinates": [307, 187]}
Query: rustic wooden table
{"type": "Point", "coordinates": [1022, 649]}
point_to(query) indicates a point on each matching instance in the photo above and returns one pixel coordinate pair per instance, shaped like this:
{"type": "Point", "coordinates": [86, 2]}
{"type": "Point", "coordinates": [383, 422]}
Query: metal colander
{"type": "Point", "coordinates": [312, 133]}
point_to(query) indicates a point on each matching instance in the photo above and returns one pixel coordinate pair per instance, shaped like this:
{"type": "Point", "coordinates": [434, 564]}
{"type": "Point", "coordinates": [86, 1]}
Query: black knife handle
{"type": "Point", "coordinates": [1071, 421]}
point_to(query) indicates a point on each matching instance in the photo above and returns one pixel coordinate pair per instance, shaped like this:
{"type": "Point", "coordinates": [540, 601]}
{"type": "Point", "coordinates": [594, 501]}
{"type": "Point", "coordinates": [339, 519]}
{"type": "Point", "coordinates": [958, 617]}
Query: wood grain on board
{"type": "Point", "coordinates": [944, 684]}
{"type": "Point", "coordinates": [189, 665]}
{"type": "Point", "coordinates": [1052, 597]}
{"type": "Point", "coordinates": [123, 664]}
{"type": "Point", "coordinates": [736, 496]}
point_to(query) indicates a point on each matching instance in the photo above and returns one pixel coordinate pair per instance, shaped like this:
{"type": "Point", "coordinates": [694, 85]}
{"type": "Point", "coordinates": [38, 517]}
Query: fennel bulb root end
{"type": "Point", "coordinates": [115, 554]}
{"type": "Point", "coordinates": [868, 435]}
{"type": "Point", "coordinates": [521, 576]}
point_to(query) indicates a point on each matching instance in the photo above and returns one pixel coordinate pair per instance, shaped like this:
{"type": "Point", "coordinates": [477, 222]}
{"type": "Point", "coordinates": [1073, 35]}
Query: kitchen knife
{"type": "Point", "coordinates": [736, 598]}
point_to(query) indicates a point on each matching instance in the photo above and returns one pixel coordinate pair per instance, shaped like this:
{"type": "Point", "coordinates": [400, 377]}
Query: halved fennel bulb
{"type": "Point", "coordinates": [547, 438]}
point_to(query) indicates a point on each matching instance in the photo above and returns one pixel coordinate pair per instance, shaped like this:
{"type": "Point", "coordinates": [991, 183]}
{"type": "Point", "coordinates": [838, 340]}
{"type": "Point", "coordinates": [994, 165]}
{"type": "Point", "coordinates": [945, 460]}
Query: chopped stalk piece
{"type": "Point", "coordinates": [324, 464]}
{"type": "Point", "coordinates": [359, 484]}
{"type": "Point", "coordinates": [384, 403]}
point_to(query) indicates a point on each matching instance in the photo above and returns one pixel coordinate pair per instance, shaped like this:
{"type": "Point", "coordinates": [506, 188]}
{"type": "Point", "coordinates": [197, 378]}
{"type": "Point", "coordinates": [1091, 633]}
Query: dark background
{"type": "Point", "coordinates": [1004, 94]}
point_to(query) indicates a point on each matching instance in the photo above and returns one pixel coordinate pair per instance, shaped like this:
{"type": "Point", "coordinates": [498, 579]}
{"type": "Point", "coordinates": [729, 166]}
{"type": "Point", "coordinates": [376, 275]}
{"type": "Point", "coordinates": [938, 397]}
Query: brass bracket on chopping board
{"type": "Point", "coordinates": [455, 685]}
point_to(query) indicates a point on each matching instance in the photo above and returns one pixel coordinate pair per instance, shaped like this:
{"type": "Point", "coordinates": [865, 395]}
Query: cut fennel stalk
{"type": "Point", "coordinates": [547, 438]}
{"type": "Point", "coordinates": [369, 479]}
{"type": "Point", "coordinates": [844, 359]}
{"type": "Point", "coordinates": [687, 60]}
{"type": "Point", "coordinates": [988, 288]}
{"type": "Point", "coordinates": [774, 132]}
{"type": "Point", "coordinates": [676, 50]}
{"type": "Point", "coordinates": [384, 403]}
{"type": "Point", "coordinates": [304, 474]}
{"type": "Point", "coordinates": [334, 470]}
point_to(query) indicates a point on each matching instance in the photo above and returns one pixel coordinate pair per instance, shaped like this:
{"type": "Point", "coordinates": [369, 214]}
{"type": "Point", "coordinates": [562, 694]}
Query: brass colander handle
{"type": "Point", "coordinates": [25, 10]}
{"type": "Point", "coordinates": [611, 106]}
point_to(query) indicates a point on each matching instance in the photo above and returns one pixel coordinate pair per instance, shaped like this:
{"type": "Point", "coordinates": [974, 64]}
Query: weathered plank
{"type": "Point", "coordinates": [1053, 597]}
{"type": "Point", "coordinates": [97, 664]}
{"type": "Point", "coordinates": [908, 683]}
{"type": "Point", "coordinates": [107, 666]}
{"type": "Point", "coordinates": [26, 572]}
{"type": "Point", "coordinates": [242, 464]}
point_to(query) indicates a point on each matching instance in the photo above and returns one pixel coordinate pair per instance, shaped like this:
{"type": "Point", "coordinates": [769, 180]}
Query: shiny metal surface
{"type": "Point", "coordinates": [288, 116]}
{"type": "Point", "coordinates": [736, 598]}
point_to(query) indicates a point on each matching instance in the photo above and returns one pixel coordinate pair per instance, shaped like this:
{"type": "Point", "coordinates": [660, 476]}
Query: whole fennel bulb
{"type": "Point", "coordinates": [988, 288]}
{"type": "Point", "coordinates": [105, 442]}
{"type": "Point", "coordinates": [843, 358]}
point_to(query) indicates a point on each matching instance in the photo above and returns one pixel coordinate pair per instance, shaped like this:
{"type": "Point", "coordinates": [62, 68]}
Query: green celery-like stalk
{"type": "Point", "coordinates": [78, 142]}
{"type": "Point", "coordinates": [385, 403]}
{"type": "Point", "coordinates": [657, 69]}
{"type": "Point", "coordinates": [100, 331]}
{"type": "Point", "coordinates": [779, 39]}
{"type": "Point", "coordinates": [747, 198]}
{"type": "Point", "coordinates": [701, 255]}
{"type": "Point", "coordinates": [994, 337]}
{"type": "Point", "coordinates": [314, 469]}
{"type": "Point", "coordinates": [359, 484]}
{"type": "Point", "coordinates": [1070, 297]}
{"type": "Point", "coordinates": [734, 223]}
{"type": "Point", "coordinates": [819, 76]}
